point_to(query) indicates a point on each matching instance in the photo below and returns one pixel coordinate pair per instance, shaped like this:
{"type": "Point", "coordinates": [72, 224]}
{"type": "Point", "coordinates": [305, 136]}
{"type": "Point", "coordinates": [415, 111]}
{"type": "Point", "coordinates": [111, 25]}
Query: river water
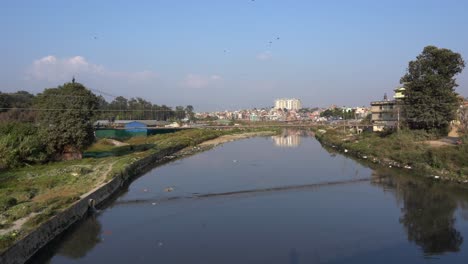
{"type": "Point", "coordinates": [281, 199]}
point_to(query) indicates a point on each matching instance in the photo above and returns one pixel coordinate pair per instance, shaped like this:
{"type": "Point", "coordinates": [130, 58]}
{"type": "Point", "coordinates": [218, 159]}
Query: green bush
{"type": "Point", "coordinates": [20, 144]}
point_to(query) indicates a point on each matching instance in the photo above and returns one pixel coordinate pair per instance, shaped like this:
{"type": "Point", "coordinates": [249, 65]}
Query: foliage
{"type": "Point", "coordinates": [463, 118]}
{"type": "Point", "coordinates": [430, 100]}
{"type": "Point", "coordinates": [138, 108]}
{"type": "Point", "coordinates": [11, 104]}
{"type": "Point", "coordinates": [20, 144]}
{"type": "Point", "coordinates": [190, 113]}
{"type": "Point", "coordinates": [67, 124]}
{"type": "Point", "coordinates": [407, 148]}
{"type": "Point", "coordinates": [338, 113]}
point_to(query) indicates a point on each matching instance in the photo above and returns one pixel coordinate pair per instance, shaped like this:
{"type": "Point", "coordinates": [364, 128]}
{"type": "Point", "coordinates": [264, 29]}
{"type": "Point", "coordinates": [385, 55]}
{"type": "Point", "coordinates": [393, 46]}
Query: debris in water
{"type": "Point", "coordinates": [346, 151]}
{"type": "Point", "coordinates": [235, 161]}
{"type": "Point", "coordinates": [154, 203]}
{"type": "Point", "coordinates": [160, 244]}
{"type": "Point", "coordinates": [436, 177]}
{"type": "Point", "coordinates": [145, 190]}
{"type": "Point", "coordinates": [169, 189]}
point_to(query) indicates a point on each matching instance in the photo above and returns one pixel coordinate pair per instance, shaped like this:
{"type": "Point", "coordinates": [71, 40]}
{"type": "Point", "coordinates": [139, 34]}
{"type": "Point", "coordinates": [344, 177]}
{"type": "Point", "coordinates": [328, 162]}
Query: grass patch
{"type": "Point", "coordinates": [406, 147]}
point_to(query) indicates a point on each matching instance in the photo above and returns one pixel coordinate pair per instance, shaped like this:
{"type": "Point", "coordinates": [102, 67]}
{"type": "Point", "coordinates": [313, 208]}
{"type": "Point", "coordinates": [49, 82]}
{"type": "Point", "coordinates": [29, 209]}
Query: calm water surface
{"type": "Point", "coordinates": [272, 200]}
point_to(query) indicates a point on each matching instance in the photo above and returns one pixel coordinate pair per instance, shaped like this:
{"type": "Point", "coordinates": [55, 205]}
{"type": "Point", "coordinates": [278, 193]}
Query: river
{"type": "Point", "coordinates": [281, 199]}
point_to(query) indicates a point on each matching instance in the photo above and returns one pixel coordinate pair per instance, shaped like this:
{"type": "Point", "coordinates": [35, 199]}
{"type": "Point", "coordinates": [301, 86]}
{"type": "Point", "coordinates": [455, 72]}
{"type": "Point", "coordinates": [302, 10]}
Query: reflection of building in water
{"type": "Point", "coordinates": [291, 141]}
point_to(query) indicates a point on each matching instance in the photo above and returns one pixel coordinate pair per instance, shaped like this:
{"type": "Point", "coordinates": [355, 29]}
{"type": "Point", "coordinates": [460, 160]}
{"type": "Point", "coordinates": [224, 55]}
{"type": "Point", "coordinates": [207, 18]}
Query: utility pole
{"type": "Point", "coordinates": [398, 119]}
{"type": "Point", "coordinates": [344, 121]}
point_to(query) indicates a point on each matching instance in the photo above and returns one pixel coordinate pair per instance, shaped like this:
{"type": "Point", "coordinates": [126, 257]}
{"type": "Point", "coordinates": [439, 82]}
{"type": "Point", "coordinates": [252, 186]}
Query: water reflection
{"type": "Point", "coordinates": [83, 240]}
{"type": "Point", "coordinates": [290, 138]}
{"type": "Point", "coordinates": [427, 213]}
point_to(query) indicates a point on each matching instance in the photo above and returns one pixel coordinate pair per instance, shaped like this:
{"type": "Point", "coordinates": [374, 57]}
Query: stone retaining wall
{"type": "Point", "coordinates": [26, 247]}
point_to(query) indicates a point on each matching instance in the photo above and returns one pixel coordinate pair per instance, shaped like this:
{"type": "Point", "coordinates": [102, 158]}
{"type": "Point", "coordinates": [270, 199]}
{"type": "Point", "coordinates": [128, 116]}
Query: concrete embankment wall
{"type": "Point", "coordinates": [26, 247]}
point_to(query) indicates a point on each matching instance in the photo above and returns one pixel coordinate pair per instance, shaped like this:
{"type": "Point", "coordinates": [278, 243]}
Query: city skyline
{"type": "Point", "coordinates": [230, 55]}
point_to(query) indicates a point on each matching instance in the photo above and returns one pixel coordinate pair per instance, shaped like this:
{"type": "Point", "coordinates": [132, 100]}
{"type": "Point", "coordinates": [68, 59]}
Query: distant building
{"type": "Point", "coordinates": [361, 112]}
{"type": "Point", "coordinates": [386, 113]}
{"type": "Point", "coordinates": [399, 93]}
{"type": "Point", "coordinates": [254, 117]}
{"type": "Point", "coordinates": [290, 104]}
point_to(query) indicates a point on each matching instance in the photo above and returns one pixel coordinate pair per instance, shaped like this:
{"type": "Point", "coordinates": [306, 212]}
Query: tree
{"type": "Point", "coordinates": [190, 113]}
{"type": "Point", "coordinates": [4, 102]}
{"type": "Point", "coordinates": [16, 101]}
{"type": "Point", "coordinates": [66, 118]}
{"type": "Point", "coordinates": [20, 144]}
{"type": "Point", "coordinates": [430, 100]}
{"type": "Point", "coordinates": [179, 112]}
{"type": "Point", "coordinates": [463, 117]}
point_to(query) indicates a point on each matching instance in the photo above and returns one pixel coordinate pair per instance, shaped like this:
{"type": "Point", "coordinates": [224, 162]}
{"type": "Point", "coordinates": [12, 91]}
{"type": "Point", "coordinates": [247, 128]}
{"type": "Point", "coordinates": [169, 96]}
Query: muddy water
{"type": "Point", "coordinates": [272, 200]}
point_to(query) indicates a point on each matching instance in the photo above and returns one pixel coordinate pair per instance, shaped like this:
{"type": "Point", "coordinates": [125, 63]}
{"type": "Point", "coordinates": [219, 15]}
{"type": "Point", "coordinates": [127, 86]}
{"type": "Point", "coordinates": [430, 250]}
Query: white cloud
{"type": "Point", "coordinates": [200, 81]}
{"type": "Point", "coordinates": [266, 55]}
{"type": "Point", "coordinates": [53, 69]}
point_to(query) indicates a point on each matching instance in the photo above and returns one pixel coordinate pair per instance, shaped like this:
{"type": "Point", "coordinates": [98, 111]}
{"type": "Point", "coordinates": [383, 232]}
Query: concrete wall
{"type": "Point", "coordinates": [25, 248]}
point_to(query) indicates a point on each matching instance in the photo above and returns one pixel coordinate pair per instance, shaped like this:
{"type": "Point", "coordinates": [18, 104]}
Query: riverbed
{"type": "Point", "coordinates": [280, 199]}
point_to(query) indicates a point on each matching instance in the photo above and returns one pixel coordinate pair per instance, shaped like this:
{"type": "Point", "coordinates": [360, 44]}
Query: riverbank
{"type": "Point", "coordinates": [33, 196]}
{"type": "Point", "coordinates": [407, 150]}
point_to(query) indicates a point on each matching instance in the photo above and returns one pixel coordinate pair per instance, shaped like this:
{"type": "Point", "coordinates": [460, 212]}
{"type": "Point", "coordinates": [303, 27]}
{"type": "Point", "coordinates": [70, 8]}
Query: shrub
{"type": "Point", "coordinates": [20, 144]}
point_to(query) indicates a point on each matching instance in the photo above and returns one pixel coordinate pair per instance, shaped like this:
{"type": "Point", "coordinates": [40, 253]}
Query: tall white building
{"type": "Point", "coordinates": [290, 104]}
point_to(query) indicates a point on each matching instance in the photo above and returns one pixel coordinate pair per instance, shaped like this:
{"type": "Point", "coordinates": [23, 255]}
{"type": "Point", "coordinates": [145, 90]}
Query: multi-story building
{"type": "Point", "coordinates": [290, 104]}
{"type": "Point", "coordinates": [386, 114]}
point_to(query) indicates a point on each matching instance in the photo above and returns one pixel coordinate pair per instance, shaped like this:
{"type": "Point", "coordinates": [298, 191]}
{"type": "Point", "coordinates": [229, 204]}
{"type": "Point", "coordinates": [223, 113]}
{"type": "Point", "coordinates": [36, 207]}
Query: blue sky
{"type": "Point", "coordinates": [216, 54]}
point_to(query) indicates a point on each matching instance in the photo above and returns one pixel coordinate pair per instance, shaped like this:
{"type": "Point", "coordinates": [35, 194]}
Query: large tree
{"type": "Point", "coordinates": [66, 119]}
{"type": "Point", "coordinates": [430, 100]}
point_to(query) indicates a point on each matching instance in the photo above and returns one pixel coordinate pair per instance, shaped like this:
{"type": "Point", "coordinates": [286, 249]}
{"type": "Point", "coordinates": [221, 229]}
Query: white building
{"type": "Point", "coordinates": [290, 104]}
